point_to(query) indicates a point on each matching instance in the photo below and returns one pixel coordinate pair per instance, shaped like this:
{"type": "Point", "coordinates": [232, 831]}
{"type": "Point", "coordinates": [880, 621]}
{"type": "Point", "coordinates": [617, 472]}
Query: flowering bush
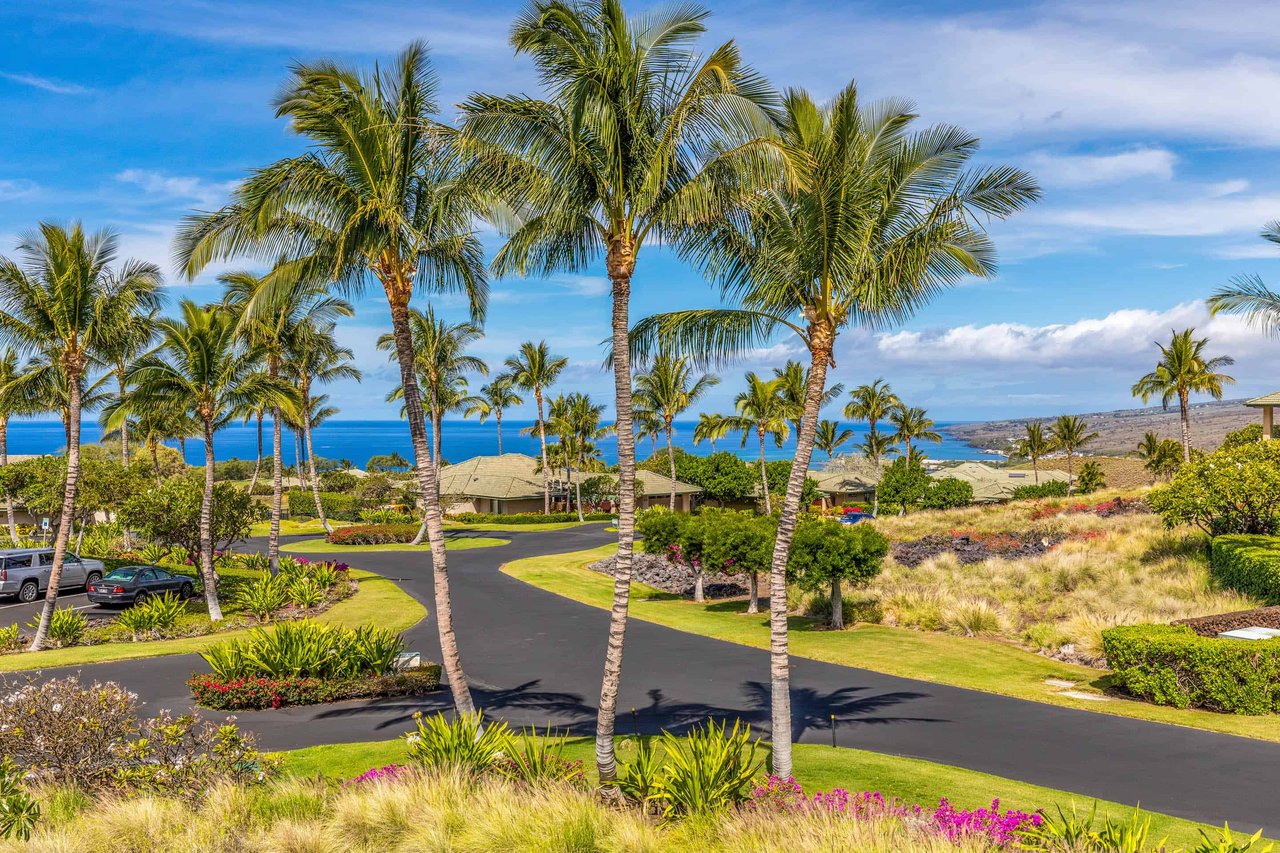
{"type": "Point", "coordinates": [389, 773]}
{"type": "Point", "coordinates": [373, 534]}
{"type": "Point", "coordinates": [259, 693]}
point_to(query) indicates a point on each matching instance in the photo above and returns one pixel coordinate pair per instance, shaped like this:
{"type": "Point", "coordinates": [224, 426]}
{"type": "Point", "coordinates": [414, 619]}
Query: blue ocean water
{"type": "Point", "coordinates": [358, 440]}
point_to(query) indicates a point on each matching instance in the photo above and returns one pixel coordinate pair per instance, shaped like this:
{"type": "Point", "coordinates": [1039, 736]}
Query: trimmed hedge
{"type": "Point", "coordinates": [1249, 564]}
{"type": "Point", "coordinates": [526, 517]}
{"type": "Point", "coordinates": [1047, 489]}
{"type": "Point", "coordinates": [337, 506]}
{"type": "Point", "coordinates": [1173, 665]}
{"type": "Point", "coordinates": [373, 534]}
{"type": "Point", "coordinates": [255, 694]}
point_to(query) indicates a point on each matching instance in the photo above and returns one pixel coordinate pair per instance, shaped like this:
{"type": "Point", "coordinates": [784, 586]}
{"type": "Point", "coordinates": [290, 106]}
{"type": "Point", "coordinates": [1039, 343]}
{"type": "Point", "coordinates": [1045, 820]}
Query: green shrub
{"type": "Point", "coordinates": [1035, 491]}
{"type": "Point", "coordinates": [1172, 665]}
{"type": "Point", "coordinates": [636, 778]}
{"type": "Point", "coordinates": [250, 694]}
{"type": "Point", "coordinates": [947, 493]}
{"type": "Point", "coordinates": [539, 760]}
{"type": "Point", "coordinates": [307, 649]}
{"type": "Point", "coordinates": [337, 506]}
{"type": "Point", "coordinates": [305, 592]}
{"type": "Point", "coordinates": [1233, 490]}
{"type": "Point", "coordinates": [526, 517]}
{"type": "Point", "coordinates": [464, 743]}
{"type": "Point", "coordinates": [660, 528]}
{"type": "Point", "coordinates": [9, 638]}
{"type": "Point", "coordinates": [706, 771]}
{"type": "Point", "coordinates": [373, 534]}
{"type": "Point", "coordinates": [1091, 478]}
{"type": "Point", "coordinates": [156, 615]}
{"type": "Point", "coordinates": [19, 811]}
{"type": "Point", "coordinates": [387, 516]}
{"type": "Point", "coordinates": [263, 597]}
{"type": "Point", "coordinates": [338, 481]}
{"type": "Point", "coordinates": [66, 628]}
{"type": "Point", "coordinates": [1248, 564]}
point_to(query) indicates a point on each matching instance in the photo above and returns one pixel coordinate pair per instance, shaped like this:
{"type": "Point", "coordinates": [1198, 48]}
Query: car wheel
{"type": "Point", "coordinates": [186, 592]}
{"type": "Point", "coordinates": [141, 597]}
{"type": "Point", "coordinates": [28, 591]}
{"type": "Point", "coordinates": [92, 578]}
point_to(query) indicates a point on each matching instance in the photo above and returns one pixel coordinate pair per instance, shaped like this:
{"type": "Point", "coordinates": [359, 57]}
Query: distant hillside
{"type": "Point", "coordinates": [1121, 430]}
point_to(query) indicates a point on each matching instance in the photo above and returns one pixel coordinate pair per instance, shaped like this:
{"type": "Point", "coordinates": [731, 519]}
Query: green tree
{"type": "Point", "coordinates": [946, 493]}
{"type": "Point", "coordinates": [739, 543]}
{"type": "Point", "coordinates": [1092, 477]}
{"type": "Point", "coordinates": [871, 403]}
{"type": "Point", "coordinates": [1070, 433]}
{"type": "Point", "coordinates": [828, 553]}
{"type": "Point", "coordinates": [1184, 369]}
{"type": "Point", "coordinates": [711, 427]}
{"type": "Point", "coordinates": [495, 397]}
{"type": "Point", "coordinates": [725, 478]}
{"type": "Point", "coordinates": [579, 425]}
{"type": "Point", "coordinates": [882, 219]}
{"type": "Point", "coordinates": [62, 302]}
{"type": "Point", "coordinates": [172, 514]}
{"type": "Point", "coordinates": [1163, 456]}
{"type": "Point", "coordinates": [1233, 490]}
{"type": "Point", "coordinates": [912, 424]}
{"type": "Point", "coordinates": [132, 336]}
{"type": "Point", "coordinates": [1035, 445]}
{"type": "Point", "coordinates": [829, 437]}
{"type": "Point", "coordinates": [761, 410]}
{"type": "Point", "coordinates": [202, 361]}
{"type": "Point", "coordinates": [535, 369]}
{"type": "Point", "coordinates": [668, 389]}
{"type": "Point", "coordinates": [793, 381]}
{"type": "Point", "coordinates": [382, 196]}
{"type": "Point", "coordinates": [1245, 435]}
{"type": "Point", "coordinates": [780, 472]}
{"type": "Point", "coordinates": [639, 140]}
{"type": "Point", "coordinates": [904, 483]}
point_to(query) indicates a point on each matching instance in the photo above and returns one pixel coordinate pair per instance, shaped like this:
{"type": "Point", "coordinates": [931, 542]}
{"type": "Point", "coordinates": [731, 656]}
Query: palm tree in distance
{"type": "Point", "coordinates": [762, 410]}
{"type": "Point", "coordinates": [579, 424]}
{"type": "Point", "coordinates": [639, 140]}
{"type": "Point", "coordinates": [1184, 370]}
{"type": "Point", "coordinates": [668, 389]}
{"type": "Point", "coordinates": [871, 403]}
{"type": "Point", "coordinates": [710, 428]}
{"type": "Point", "coordinates": [912, 424]}
{"type": "Point", "coordinates": [1035, 445]}
{"type": "Point", "coordinates": [382, 196]}
{"type": "Point", "coordinates": [494, 398]}
{"type": "Point", "coordinates": [11, 403]}
{"type": "Point", "coordinates": [795, 379]}
{"type": "Point", "coordinates": [129, 341]}
{"type": "Point", "coordinates": [1070, 433]}
{"type": "Point", "coordinates": [829, 437]}
{"type": "Point", "coordinates": [876, 446]}
{"type": "Point", "coordinates": [882, 219]}
{"type": "Point", "coordinates": [535, 369]}
{"type": "Point", "coordinates": [63, 302]}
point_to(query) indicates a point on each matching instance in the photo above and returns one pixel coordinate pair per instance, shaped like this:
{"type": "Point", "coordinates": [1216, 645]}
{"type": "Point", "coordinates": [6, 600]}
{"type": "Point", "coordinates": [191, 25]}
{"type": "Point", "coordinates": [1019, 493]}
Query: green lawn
{"type": "Point", "coordinates": [457, 543]}
{"type": "Point", "coordinates": [496, 527]}
{"type": "Point", "coordinates": [378, 600]}
{"type": "Point", "coordinates": [289, 527]}
{"type": "Point", "coordinates": [975, 663]}
{"type": "Point", "coordinates": [816, 767]}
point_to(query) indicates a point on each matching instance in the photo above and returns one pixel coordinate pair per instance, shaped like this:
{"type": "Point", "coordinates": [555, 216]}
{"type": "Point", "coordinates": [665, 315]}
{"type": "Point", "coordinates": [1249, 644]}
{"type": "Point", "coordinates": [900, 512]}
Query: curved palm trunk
{"type": "Point", "coordinates": [671, 465]}
{"type": "Point", "coordinates": [207, 573]}
{"type": "Point", "coordinates": [427, 485]}
{"type": "Point", "coordinates": [621, 264]}
{"type": "Point", "coordinates": [713, 445]}
{"type": "Point", "coordinates": [764, 476]}
{"type": "Point", "coordinates": [8, 498]}
{"type": "Point", "coordinates": [821, 341]}
{"type": "Point", "coordinates": [277, 490]}
{"type": "Point", "coordinates": [311, 461]}
{"type": "Point", "coordinates": [68, 512]}
{"type": "Point", "coordinates": [1186, 425]}
{"type": "Point", "coordinates": [435, 462]}
{"type": "Point", "coordinates": [542, 440]}
{"type": "Point", "coordinates": [257, 465]}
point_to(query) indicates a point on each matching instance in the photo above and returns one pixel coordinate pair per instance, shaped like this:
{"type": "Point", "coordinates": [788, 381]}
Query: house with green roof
{"type": "Point", "coordinates": [1268, 404]}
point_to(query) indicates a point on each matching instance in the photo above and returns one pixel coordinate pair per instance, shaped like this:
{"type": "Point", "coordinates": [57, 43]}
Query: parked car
{"type": "Point", "coordinates": [135, 584]}
{"type": "Point", "coordinates": [853, 516]}
{"type": "Point", "coordinates": [24, 572]}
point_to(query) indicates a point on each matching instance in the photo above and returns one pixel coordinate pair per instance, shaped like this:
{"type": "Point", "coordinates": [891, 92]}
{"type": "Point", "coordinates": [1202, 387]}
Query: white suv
{"type": "Point", "coordinates": [24, 572]}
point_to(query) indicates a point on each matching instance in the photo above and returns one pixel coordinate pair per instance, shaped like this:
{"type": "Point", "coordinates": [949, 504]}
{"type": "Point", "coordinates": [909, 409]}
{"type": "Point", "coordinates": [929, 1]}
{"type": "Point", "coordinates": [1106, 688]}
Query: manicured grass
{"type": "Point", "coordinates": [378, 600]}
{"type": "Point", "coordinates": [976, 663]}
{"type": "Point", "coordinates": [496, 527]}
{"type": "Point", "coordinates": [290, 527]}
{"type": "Point", "coordinates": [457, 543]}
{"type": "Point", "coordinates": [817, 767]}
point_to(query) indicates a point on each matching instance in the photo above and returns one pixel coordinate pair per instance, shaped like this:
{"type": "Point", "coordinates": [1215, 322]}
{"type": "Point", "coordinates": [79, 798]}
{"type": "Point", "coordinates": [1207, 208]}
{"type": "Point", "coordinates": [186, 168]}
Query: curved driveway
{"type": "Point", "coordinates": [535, 658]}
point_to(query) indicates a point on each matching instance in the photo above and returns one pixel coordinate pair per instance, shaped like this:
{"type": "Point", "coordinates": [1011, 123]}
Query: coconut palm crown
{"type": "Point", "coordinates": [1183, 370]}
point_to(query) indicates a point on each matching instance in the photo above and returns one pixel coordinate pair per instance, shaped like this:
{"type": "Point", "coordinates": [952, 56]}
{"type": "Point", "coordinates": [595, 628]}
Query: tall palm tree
{"type": "Point", "coordinates": [912, 424]}
{"type": "Point", "coordinates": [638, 140]}
{"type": "Point", "coordinates": [62, 302]}
{"type": "Point", "coordinates": [129, 341]}
{"type": "Point", "coordinates": [382, 196]}
{"type": "Point", "coordinates": [871, 403]}
{"type": "Point", "coordinates": [876, 446]}
{"type": "Point", "coordinates": [582, 418]}
{"type": "Point", "coordinates": [795, 379]}
{"type": "Point", "coordinates": [829, 437]}
{"type": "Point", "coordinates": [204, 361]}
{"type": "Point", "coordinates": [882, 219]}
{"type": "Point", "coordinates": [668, 388]}
{"type": "Point", "coordinates": [535, 369]}
{"type": "Point", "coordinates": [1035, 445]}
{"type": "Point", "coordinates": [268, 313]}
{"type": "Point", "coordinates": [1070, 433]}
{"type": "Point", "coordinates": [711, 426]}
{"type": "Point", "coordinates": [11, 403]}
{"type": "Point", "coordinates": [316, 358]}
{"type": "Point", "coordinates": [762, 410]}
{"type": "Point", "coordinates": [494, 398]}
{"type": "Point", "coordinates": [1184, 369]}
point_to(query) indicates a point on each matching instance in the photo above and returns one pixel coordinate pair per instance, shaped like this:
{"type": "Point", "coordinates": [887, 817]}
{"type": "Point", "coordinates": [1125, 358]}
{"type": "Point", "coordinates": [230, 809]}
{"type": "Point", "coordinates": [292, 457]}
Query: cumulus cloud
{"type": "Point", "coordinates": [187, 188]}
{"type": "Point", "coordinates": [1197, 212]}
{"type": "Point", "coordinates": [1082, 170]}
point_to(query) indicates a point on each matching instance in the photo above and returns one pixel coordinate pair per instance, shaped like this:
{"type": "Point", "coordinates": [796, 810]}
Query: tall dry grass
{"type": "Point", "coordinates": [1120, 570]}
{"type": "Point", "coordinates": [443, 812]}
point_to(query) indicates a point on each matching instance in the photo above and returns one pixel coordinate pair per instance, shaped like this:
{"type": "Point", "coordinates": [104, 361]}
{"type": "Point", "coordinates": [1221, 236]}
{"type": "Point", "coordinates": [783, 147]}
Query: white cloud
{"type": "Point", "coordinates": [1257, 250]}
{"type": "Point", "coordinates": [47, 84]}
{"type": "Point", "coordinates": [1203, 213]}
{"type": "Point", "coordinates": [11, 189]}
{"type": "Point", "coordinates": [187, 188]}
{"type": "Point", "coordinates": [1081, 170]}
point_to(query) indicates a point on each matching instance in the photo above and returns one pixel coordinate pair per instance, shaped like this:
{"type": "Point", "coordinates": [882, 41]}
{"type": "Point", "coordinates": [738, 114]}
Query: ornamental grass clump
{"type": "Point", "coordinates": [307, 649]}
{"type": "Point", "coordinates": [153, 618]}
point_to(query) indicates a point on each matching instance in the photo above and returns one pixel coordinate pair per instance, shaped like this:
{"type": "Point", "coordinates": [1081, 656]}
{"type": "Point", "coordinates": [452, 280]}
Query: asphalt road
{"type": "Point", "coordinates": [535, 658]}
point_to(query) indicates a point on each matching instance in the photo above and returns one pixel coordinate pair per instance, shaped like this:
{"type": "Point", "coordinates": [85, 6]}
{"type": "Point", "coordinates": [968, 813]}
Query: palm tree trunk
{"type": "Point", "coordinates": [713, 446]}
{"type": "Point", "coordinates": [257, 465]}
{"type": "Point", "coordinates": [621, 264]}
{"type": "Point", "coordinates": [182, 448]}
{"type": "Point", "coordinates": [124, 425]}
{"type": "Point", "coordinates": [837, 606]}
{"type": "Point", "coordinates": [8, 498]}
{"type": "Point", "coordinates": [207, 574]}
{"type": "Point", "coordinates": [68, 510]}
{"type": "Point", "coordinates": [427, 485]}
{"type": "Point", "coordinates": [1035, 467]}
{"type": "Point", "coordinates": [821, 341]}
{"type": "Point", "coordinates": [435, 463]}
{"type": "Point", "coordinates": [671, 465]}
{"type": "Point", "coordinates": [1071, 485]}
{"type": "Point", "coordinates": [542, 440]}
{"type": "Point", "coordinates": [498, 416]}
{"type": "Point", "coordinates": [764, 476]}
{"type": "Point", "coordinates": [155, 460]}
{"type": "Point", "coordinates": [277, 490]}
{"type": "Point", "coordinates": [311, 461]}
{"type": "Point", "coordinates": [577, 488]}
{"type": "Point", "coordinates": [1186, 426]}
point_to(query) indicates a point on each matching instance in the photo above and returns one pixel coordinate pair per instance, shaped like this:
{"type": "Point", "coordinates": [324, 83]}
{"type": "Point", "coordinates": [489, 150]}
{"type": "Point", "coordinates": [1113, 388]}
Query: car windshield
{"type": "Point", "coordinates": [122, 575]}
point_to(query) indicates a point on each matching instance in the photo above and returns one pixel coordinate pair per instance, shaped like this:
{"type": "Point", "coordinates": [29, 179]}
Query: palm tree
{"type": "Point", "coordinates": [912, 424]}
{"type": "Point", "coordinates": [881, 220]}
{"type": "Point", "coordinates": [316, 358]}
{"type": "Point", "coordinates": [1249, 296]}
{"type": "Point", "coordinates": [1035, 445]}
{"type": "Point", "coordinates": [494, 398]}
{"type": "Point", "coordinates": [1070, 433]}
{"type": "Point", "coordinates": [62, 302]}
{"type": "Point", "coordinates": [382, 196]}
{"type": "Point", "coordinates": [1159, 455]}
{"type": "Point", "coordinates": [11, 403]}
{"type": "Point", "coordinates": [205, 361]}
{"type": "Point", "coordinates": [710, 427]}
{"type": "Point", "coordinates": [535, 369]}
{"type": "Point", "coordinates": [579, 426]}
{"type": "Point", "coordinates": [668, 388]}
{"type": "Point", "coordinates": [871, 403]}
{"type": "Point", "coordinates": [268, 313]}
{"type": "Point", "coordinates": [639, 140]}
{"type": "Point", "coordinates": [876, 446]}
{"type": "Point", "coordinates": [130, 340]}
{"type": "Point", "coordinates": [829, 437]}
{"type": "Point", "coordinates": [1183, 370]}
{"type": "Point", "coordinates": [762, 410]}
{"type": "Point", "coordinates": [795, 379]}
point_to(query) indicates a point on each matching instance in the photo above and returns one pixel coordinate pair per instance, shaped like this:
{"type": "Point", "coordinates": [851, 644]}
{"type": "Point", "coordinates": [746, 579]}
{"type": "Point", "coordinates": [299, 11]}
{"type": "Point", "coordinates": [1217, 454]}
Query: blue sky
{"type": "Point", "coordinates": [1151, 126]}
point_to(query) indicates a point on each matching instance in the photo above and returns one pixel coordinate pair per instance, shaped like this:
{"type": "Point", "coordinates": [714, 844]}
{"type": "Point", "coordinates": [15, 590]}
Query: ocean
{"type": "Point", "coordinates": [358, 440]}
